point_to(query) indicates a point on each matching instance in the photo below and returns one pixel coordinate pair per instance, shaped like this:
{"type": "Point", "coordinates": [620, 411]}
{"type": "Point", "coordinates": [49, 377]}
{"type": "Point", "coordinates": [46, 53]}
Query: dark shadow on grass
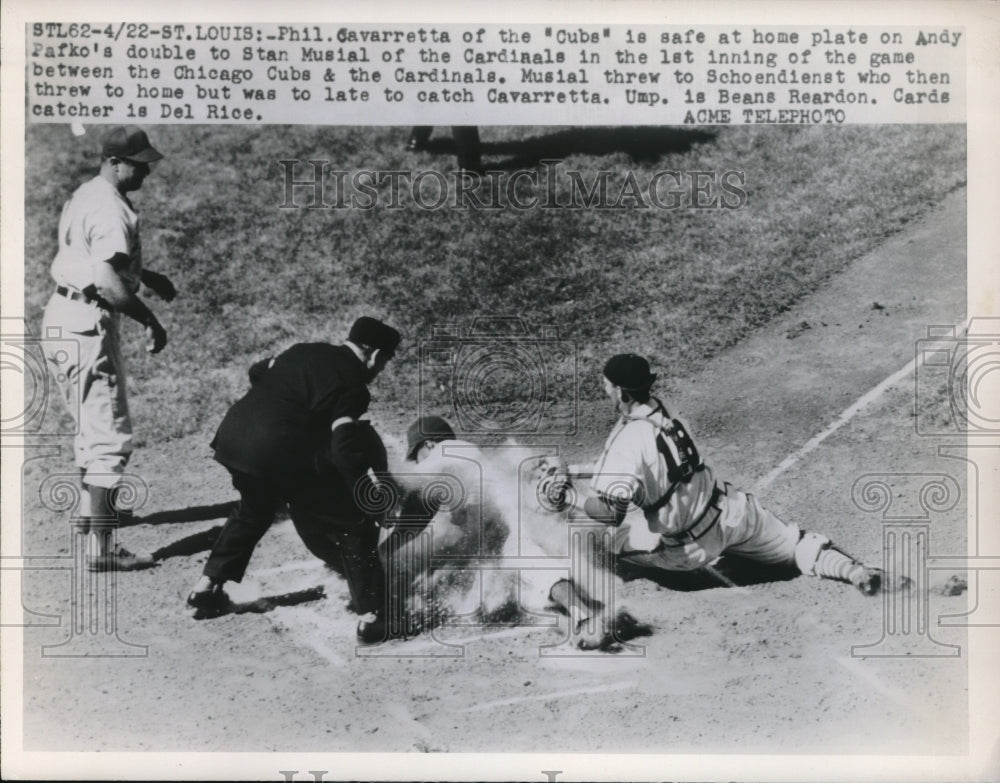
{"type": "Point", "coordinates": [641, 144]}
{"type": "Point", "coordinates": [264, 603]}
{"type": "Point", "coordinates": [190, 514]}
{"type": "Point", "coordinates": [736, 570]}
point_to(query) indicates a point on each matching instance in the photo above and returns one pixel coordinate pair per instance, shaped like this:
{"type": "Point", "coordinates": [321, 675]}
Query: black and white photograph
{"type": "Point", "coordinates": [556, 392]}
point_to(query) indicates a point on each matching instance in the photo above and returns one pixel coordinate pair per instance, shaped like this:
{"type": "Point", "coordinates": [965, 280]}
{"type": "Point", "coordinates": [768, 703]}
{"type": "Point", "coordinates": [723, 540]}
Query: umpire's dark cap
{"type": "Point", "coordinates": [375, 334]}
{"type": "Point", "coordinates": [629, 371]}
{"type": "Point", "coordinates": [426, 428]}
{"type": "Point", "coordinates": [130, 143]}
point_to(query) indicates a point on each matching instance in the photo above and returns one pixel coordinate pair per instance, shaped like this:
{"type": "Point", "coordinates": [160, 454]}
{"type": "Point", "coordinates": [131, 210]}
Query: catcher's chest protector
{"type": "Point", "coordinates": [678, 451]}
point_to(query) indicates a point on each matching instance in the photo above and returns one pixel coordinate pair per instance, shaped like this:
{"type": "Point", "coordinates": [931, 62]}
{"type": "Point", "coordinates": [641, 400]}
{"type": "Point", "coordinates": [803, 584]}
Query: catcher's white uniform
{"type": "Point", "coordinates": [691, 518]}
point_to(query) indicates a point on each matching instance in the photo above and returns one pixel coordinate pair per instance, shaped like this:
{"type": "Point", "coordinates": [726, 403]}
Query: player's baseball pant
{"type": "Point", "coordinates": [91, 380]}
{"type": "Point", "coordinates": [744, 527]}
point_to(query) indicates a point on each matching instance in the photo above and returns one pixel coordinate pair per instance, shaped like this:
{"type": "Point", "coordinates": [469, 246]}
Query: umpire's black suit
{"type": "Point", "coordinates": [277, 444]}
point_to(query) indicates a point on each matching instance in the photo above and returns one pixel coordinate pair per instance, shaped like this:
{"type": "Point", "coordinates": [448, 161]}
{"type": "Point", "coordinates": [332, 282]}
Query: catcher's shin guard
{"type": "Point", "coordinates": [816, 555]}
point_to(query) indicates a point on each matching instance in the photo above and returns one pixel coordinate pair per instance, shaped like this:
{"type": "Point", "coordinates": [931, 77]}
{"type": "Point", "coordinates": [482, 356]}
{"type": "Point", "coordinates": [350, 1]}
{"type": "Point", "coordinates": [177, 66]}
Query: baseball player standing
{"type": "Point", "coordinates": [98, 270]}
{"type": "Point", "coordinates": [650, 461]}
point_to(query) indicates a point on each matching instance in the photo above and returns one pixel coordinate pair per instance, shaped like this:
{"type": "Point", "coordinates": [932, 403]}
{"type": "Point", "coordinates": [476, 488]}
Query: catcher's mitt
{"type": "Point", "coordinates": [552, 483]}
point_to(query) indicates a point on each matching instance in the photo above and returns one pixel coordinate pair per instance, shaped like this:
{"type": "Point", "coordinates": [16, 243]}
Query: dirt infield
{"type": "Point", "coordinates": [768, 667]}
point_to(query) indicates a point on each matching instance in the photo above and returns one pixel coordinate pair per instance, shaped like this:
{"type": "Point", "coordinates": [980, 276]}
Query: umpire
{"type": "Point", "coordinates": [280, 445]}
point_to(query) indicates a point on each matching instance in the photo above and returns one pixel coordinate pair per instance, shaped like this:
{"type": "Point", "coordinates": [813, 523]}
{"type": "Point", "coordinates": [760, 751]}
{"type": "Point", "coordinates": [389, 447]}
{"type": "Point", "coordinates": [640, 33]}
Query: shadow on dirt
{"type": "Point", "coordinates": [641, 144]}
{"type": "Point", "coordinates": [727, 572]}
{"type": "Point", "coordinates": [263, 604]}
{"type": "Point", "coordinates": [189, 545]}
{"type": "Point", "coordinates": [190, 514]}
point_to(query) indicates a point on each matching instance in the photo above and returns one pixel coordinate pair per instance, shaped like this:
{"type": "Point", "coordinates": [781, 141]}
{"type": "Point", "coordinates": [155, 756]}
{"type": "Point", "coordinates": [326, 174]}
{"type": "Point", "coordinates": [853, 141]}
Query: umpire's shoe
{"type": "Point", "coordinates": [372, 628]}
{"type": "Point", "coordinates": [209, 603]}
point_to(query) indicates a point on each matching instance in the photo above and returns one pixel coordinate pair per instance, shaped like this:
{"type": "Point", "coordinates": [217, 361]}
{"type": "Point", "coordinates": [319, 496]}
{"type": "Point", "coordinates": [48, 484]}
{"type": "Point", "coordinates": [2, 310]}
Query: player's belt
{"type": "Point", "coordinates": [708, 519]}
{"type": "Point", "coordinates": [73, 296]}
{"type": "Point", "coordinates": [82, 296]}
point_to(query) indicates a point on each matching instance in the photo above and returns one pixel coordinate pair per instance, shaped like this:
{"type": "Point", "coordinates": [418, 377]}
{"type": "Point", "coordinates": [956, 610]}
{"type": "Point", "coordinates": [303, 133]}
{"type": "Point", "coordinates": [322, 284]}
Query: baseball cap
{"type": "Point", "coordinates": [372, 332]}
{"type": "Point", "coordinates": [426, 428]}
{"type": "Point", "coordinates": [130, 143]}
{"type": "Point", "coordinates": [629, 371]}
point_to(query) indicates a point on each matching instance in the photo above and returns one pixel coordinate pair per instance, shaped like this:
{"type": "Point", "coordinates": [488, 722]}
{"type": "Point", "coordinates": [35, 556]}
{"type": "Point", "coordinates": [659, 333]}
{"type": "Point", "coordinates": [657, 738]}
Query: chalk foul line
{"type": "Point", "coordinates": [865, 399]}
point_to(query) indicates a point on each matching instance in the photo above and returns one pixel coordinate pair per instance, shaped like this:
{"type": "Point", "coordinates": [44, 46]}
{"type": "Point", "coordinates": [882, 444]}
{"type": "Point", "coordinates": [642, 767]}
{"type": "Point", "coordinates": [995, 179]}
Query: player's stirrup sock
{"type": "Point", "coordinates": [834, 564]}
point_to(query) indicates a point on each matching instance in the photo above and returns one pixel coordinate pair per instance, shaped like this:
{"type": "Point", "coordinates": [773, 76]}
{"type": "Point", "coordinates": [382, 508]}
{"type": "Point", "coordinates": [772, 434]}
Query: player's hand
{"type": "Point", "coordinates": [159, 285]}
{"type": "Point", "coordinates": [157, 337]}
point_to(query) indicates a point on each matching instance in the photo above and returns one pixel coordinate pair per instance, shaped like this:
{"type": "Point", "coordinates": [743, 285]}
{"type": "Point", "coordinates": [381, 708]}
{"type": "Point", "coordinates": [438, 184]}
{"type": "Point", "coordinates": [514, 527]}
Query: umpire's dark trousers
{"type": "Point", "coordinates": [341, 537]}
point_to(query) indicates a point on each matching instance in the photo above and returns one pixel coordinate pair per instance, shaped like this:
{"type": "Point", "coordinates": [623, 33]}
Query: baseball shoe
{"type": "Point", "coordinates": [590, 633]}
{"type": "Point", "coordinates": [120, 559]}
{"type": "Point", "coordinates": [372, 629]}
{"type": "Point", "coordinates": [872, 581]}
{"type": "Point", "coordinates": [867, 580]}
{"type": "Point", "coordinates": [210, 602]}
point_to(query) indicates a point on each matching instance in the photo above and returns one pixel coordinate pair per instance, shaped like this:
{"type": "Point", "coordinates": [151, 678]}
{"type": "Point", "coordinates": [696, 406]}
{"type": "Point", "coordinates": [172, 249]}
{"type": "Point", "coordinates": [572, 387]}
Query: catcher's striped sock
{"type": "Point", "coordinates": [834, 564]}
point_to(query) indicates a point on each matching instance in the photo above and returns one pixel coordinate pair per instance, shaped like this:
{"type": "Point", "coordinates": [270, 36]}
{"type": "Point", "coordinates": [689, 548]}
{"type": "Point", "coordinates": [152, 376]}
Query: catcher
{"type": "Point", "coordinates": [651, 462]}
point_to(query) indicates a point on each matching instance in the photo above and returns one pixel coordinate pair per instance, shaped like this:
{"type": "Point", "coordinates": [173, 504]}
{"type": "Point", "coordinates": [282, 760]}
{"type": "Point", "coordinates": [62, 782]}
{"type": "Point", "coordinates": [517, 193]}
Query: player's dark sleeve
{"type": "Point", "coordinates": [119, 262]}
{"type": "Point", "coordinates": [604, 509]}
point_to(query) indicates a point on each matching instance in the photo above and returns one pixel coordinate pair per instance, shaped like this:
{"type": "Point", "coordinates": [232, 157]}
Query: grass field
{"type": "Point", "coordinates": [677, 285]}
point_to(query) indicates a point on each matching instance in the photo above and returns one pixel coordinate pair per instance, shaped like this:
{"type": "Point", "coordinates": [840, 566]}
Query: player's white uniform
{"type": "Point", "coordinates": [97, 223]}
{"type": "Point", "coordinates": [691, 517]}
{"type": "Point", "coordinates": [480, 523]}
